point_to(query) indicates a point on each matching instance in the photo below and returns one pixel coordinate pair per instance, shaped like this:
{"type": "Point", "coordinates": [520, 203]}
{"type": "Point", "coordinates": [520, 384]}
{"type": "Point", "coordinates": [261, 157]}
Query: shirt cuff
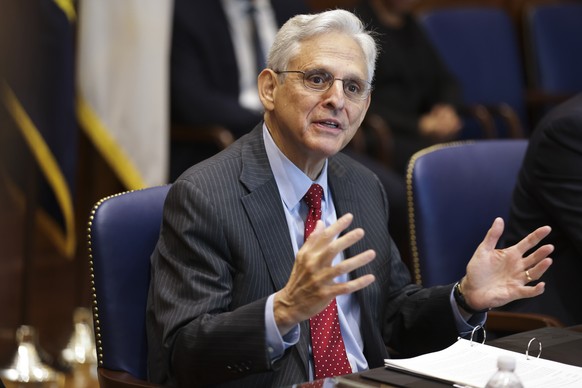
{"type": "Point", "coordinates": [465, 327]}
{"type": "Point", "coordinates": [277, 344]}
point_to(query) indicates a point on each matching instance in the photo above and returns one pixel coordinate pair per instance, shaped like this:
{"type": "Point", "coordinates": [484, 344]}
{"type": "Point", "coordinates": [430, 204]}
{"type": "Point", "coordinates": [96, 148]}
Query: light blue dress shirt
{"type": "Point", "coordinates": [293, 184]}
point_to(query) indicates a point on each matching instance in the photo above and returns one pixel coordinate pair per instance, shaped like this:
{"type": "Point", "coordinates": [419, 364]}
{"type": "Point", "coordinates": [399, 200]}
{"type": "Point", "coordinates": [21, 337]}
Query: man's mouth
{"type": "Point", "coordinates": [330, 124]}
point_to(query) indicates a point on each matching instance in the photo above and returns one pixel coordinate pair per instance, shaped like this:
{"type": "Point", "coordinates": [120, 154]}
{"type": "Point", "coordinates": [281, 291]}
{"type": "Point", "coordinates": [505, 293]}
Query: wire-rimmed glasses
{"type": "Point", "coordinates": [322, 80]}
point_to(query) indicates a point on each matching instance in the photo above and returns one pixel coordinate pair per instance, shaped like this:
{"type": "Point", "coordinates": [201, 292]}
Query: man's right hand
{"type": "Point", "coordinates": [311, 286]}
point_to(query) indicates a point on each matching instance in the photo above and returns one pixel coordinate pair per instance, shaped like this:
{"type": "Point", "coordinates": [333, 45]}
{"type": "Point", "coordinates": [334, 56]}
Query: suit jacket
{"type": "Point", "coordinates": [225, 247]}
{"type": "Point", "coordinates": [204, 85]}
{"type": "Point", "coordinates": [549, 192]}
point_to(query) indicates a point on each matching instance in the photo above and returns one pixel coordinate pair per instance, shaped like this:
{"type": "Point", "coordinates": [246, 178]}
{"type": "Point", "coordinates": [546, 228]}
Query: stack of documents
{"type": "Point", "coordinates": [471, 364]}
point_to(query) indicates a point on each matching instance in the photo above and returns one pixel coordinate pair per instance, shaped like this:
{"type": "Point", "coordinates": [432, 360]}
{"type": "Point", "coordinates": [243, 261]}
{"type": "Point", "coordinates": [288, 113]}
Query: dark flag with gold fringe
{"type": "Point", "coordinates": [38, 130]}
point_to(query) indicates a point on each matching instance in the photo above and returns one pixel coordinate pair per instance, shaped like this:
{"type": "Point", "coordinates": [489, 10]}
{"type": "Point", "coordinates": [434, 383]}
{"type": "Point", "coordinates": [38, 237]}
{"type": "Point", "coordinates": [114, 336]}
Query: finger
{"type": "Point", "coordinates": [354, 262]}
{"type": "Point", "coordinates": [323, 245]}
{"type": "Point", "coordinates": [352, 285]}
{"type": "Point", "coordinates": [538, 255]}
{"type": "Point", "coordinates": [532, 291]}
{"type": "Point", "coordinates": [331, 251]}
{"type": "Point", "coordinates": [329, 233]}
{"type": "Point", "coordinates": [538, 270]}
{"type": "Point", "coordinates": [327, 237]}
{"type": "Point", "coordinates": [346, 241]}
{"type": "Point", "coordinates": [493, 234]}
{"type": "Point", "coordinates": [533, 239]}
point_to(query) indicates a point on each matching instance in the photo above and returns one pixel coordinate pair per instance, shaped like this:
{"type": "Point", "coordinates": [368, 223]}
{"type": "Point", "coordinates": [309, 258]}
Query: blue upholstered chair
{"type": "Point", "coordinates": [480, 47]}
{"type": "Point", "coordinates": [554, 35]}
{"type": "Point", "coordinates": [123, 231]}
{"type": "Point", "coordinates": [455, 191]}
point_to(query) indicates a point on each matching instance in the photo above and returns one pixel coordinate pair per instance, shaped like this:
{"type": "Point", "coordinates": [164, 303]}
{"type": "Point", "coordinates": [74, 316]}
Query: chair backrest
{"type": "Point", "coordinates": [455, 191]}
{"type": "Point", "coordinates": [123, 231]}
{"type": "Point", "coordinates": [554, 33]}
{"type": "Point", "coordinates": [480, 47]}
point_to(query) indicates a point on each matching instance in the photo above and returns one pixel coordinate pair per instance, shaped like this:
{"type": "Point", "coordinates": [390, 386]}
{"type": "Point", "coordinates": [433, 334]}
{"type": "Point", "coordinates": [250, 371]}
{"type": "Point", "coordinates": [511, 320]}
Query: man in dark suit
{"type": "Point", "coordinates": [209, 67]}
{"type": "Point", "coordinates": [235, 292]}
{"type": "Point", "coordinates": [549, 192]}
{"type": "Point", "coordinates": [213, 82]}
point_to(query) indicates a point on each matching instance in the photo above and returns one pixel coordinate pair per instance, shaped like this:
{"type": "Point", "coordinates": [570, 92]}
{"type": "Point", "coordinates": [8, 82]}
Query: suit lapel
{"type": "Point", "coordinates": [346, 200]}
{"type": "Point", "coordinates": [264, 208]}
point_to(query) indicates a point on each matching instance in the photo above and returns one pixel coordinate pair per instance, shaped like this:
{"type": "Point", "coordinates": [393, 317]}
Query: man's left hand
{"type": "Point", "coordinates": [496, 277]}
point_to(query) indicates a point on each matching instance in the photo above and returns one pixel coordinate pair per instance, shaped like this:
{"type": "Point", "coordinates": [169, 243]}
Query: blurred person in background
{"type": "Point", "coordinates": [218, 48]}
{"type": "Point", "coordinates": [549, 192]}
{"type": "Point", "coordinates": [413, 90]}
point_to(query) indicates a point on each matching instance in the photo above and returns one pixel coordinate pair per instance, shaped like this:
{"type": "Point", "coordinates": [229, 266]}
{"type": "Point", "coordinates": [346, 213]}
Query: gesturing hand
{"type": "Point", "coordinates": [311, 286]}
{"type": "Point", "coordinates": [496, 277]}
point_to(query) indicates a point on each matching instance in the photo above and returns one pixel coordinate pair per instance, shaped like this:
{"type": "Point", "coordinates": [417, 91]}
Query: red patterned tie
{"type": "Point", "coordinates": [329, 352]}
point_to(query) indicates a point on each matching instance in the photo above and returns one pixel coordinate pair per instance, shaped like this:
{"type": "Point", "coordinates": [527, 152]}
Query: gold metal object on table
{"type": "Point", "coordinates": [27, 369]}
{"type": "Point", "coordinates": [80, 354]}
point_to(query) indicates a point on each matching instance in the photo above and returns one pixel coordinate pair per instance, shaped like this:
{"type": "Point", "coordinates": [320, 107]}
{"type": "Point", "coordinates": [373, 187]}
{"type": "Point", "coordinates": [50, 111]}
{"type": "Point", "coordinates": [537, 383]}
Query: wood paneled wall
{"type": "Point", "coordinates": [46, 294]}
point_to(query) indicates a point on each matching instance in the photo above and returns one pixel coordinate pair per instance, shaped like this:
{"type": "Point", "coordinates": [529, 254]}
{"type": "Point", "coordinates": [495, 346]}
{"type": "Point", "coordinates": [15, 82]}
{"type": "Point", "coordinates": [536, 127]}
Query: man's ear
{"type": "Point", "coordinates": [267, 83]}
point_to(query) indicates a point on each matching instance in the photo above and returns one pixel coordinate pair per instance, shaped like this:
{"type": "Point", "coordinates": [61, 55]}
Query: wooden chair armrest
{"type": "Point", "coordinates": [483, 116]}
{"type": "Point", "coordinates": [539, 102]}
{"type": "Point", "coordinates": [374, 137]}
{"type": "Point", "coordinates": [577, 328]}
{"type": "Point", "coordinates": [117, 379]}
{"type": "Point", "coordinates": [538, 98]}
{"type": "Point", "coordinates": [512, 120]}
{"type": "Point", "coordinates": [506, 322]}
{"type": "Point", "coordinates": [217, 135]}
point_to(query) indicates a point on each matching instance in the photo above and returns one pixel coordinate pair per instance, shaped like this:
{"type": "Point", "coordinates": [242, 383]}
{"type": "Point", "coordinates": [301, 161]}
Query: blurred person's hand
{"type": "Point", "coordinates": [442, 123]}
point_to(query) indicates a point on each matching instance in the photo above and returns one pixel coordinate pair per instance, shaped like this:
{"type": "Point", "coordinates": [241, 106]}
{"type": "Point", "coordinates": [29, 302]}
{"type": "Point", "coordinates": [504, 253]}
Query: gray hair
{"type": "Point", "coordinates": [301, 27]}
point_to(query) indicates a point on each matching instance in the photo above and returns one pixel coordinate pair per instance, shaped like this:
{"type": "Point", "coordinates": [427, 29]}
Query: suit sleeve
{"type": "Point", "coordinates": [416, 320]}
{"type": "Point", "coordinates": [557, 177]}
{"type": "Point", "coordinates": [192, 331]}
{"type": "Point", "coordinates": [412, 320]}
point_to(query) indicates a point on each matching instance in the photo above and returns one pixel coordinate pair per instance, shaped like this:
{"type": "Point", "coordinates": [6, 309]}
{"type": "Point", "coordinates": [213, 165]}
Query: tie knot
{"type": "Point", "coordinates": [313, 196]}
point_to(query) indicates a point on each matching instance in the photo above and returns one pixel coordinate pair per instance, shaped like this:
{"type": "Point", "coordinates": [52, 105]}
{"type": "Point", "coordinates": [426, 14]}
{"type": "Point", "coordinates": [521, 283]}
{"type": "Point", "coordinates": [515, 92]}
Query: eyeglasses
{"type": "Point", "coordinates": [321, 81]}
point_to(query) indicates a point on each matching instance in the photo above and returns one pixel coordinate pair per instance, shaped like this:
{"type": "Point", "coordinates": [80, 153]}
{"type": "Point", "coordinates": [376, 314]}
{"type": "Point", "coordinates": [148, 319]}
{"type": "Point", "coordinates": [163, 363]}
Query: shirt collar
{"type": "Point", "coordinates": [291, 181]}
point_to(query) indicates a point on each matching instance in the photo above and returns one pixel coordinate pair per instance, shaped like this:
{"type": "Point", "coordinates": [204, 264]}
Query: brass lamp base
{"type": "Point", "coordinates": [81, 347]}
{"type": "Point", "coordinates": [80, 355]}
{"type": "Point", "coordinates": [27, 369]}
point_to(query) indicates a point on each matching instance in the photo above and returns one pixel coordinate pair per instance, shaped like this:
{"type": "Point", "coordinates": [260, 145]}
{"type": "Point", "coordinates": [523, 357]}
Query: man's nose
{"type": "Point", "coordinates": [336, 94]}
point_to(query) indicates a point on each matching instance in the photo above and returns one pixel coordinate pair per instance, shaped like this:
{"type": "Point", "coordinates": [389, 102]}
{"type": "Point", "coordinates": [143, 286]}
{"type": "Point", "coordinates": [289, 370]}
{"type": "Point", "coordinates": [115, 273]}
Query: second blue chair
{"type": "Point", "coordinates": [480, 47]}
{"type": "Point", "coordinates": [555, 39]}
{"type": "Point", "coordinates": [455, 191]}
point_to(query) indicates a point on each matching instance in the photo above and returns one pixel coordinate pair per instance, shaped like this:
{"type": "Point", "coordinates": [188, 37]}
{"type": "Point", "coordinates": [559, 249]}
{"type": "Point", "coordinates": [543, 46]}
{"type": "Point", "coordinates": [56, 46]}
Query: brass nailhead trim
{"type": "Point", "coordinates": [410, 201]}
{"type": "Point", "coordinates": [94, 291]}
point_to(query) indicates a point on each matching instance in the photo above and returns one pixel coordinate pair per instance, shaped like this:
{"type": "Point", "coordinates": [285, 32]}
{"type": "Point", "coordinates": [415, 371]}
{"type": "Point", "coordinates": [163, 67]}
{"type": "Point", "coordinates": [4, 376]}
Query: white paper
{"type": "Point", "coordinates": [471, 364]}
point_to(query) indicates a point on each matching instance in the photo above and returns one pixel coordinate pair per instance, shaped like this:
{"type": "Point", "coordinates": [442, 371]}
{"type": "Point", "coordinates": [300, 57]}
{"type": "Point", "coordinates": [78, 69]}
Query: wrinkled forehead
{"type": "Point", "coordinates": [334, 52]}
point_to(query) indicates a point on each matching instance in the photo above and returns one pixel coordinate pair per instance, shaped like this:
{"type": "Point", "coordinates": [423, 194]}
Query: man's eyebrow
{"type": "Point", "coordinates": [350, 76]}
